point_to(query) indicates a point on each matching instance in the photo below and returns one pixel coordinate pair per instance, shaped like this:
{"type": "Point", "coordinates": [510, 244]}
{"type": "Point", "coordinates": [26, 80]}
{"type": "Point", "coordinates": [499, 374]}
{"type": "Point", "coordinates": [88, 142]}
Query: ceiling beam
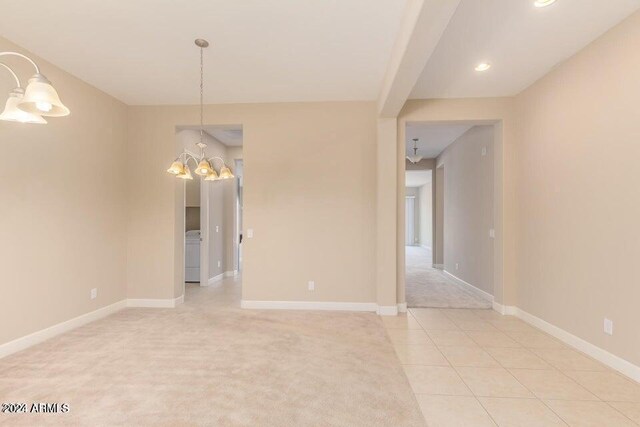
{"type": "Point", "coordinates": [423, 23]}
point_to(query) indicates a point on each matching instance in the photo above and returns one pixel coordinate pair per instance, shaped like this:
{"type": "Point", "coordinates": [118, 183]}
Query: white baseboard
{"type": "Point", "coordinates": [57, 329]}
{"type": "Point", "coordinates": [387, 310]}
{"type": "Point", "coordinates": [402, 307]}
{"type": "Point", "coordinates": [461, 282]}
{"type": "Point", "coordinates": [438, 266]}
{"type": "Point", "coordinates": [382, 310]}
{"type": "Point", "coordinates": [155, 303]}
{"type": "Point", "coordinates": [505, 310]}
{"type": "Point", "coordinates": [611, 360]}
{"type": "Point", "coordinates": [309, 305]}
{"type": "Point", "coordinates": [215, 279]}
{"type": "Point", "coordinates": [231, 273]}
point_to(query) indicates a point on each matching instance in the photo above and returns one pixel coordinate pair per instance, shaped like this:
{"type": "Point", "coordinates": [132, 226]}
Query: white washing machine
{"type": "Point", "coordinates": [192, 256]}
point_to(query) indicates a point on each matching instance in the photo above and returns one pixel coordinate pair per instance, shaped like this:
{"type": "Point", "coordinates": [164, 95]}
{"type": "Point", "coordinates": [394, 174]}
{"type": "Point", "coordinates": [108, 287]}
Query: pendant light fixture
{"type": "Point", "coordinates": [38, 99]}
{"type": "Point", "coordinates": [203, 165]}
{"type": "Point", "coordinates": [415, 158]}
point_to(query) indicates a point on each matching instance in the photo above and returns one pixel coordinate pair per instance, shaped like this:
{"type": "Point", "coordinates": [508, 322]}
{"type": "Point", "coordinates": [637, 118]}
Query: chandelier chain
{"type": "Point", "coordinates": [201, 93]}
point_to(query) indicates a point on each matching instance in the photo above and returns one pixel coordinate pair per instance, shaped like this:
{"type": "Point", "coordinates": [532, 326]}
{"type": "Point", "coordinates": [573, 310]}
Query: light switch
{"type": "Point", "coordinates": [312, 285]}
{"type": "Point", "coordinates": [250, 233]}
{"type": "Point", "coordinates": [492, 233]}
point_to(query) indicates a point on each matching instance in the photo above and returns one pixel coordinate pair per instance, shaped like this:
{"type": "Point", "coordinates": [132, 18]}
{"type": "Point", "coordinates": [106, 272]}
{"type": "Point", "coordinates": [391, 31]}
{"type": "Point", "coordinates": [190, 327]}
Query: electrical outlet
{"type": "Point", "coordinates": [312, 285]}
{"type": "Point", "coordinates": [94, 293]}
{"type": "Point", "coordinates": [217, 228]}
{"type": "Point", "coordinates": [219, 263]}
{"type": "Point", "coordinates": [457, 265]}
{"type": "Point", "coordinates": [484, 151]}
{"type": "Point", "coordinates": [492, 233]}
{"type": "Point", "coordinates": [608, 326]}
{"type": "Point", "coordinates": [249, 233]}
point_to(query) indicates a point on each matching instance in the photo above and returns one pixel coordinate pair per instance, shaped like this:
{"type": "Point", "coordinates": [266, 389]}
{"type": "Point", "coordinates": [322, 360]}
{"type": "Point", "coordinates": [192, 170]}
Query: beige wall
{"type": "Point", "coordinates": [468, 207]}
{"type": "Point", "coordinates": [577, 169]}
{"type": "Point", "coordinates": [309, 196]}
{"type": "Point", "coordinates": [63, 206]}
{"type": "Point", "coordinates": [438, 235]}
{"type": "Point", "coordinates": [425, 196]}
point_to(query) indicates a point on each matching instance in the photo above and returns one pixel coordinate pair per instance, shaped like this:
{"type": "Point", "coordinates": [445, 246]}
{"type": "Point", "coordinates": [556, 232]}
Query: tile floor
{"type": "Point", "coordinates": [478, 368]}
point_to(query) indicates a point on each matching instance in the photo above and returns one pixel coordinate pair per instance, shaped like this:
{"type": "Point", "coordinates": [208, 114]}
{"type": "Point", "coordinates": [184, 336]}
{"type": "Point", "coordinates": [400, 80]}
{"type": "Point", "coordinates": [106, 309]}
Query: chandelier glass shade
{"type": "Point", "coordinates": [186, 173]}
{"type": "Point", "coordinates": [203, 165]}
{"type": "Point", "coordinates": [415, 158]}
{"type": "Point", "coordinates": [12, 113]}
{"type": "Point", "coordinates": [39, 98]}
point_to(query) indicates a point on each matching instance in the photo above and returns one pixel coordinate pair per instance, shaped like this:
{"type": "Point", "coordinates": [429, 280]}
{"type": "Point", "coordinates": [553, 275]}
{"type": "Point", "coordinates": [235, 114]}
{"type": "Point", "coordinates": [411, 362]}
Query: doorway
{"type": "Point", "coordinates": [459, 158]}
{"type": "Point", "coordinates": [212, 213]}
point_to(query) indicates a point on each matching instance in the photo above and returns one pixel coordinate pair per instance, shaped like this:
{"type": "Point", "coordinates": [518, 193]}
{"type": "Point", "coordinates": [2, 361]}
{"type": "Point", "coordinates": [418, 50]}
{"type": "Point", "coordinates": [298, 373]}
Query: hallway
{"type": "Point", "coordinates": [428, 287]}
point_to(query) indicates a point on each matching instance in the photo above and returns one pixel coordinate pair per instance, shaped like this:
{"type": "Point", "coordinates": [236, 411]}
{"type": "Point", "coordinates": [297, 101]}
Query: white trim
{"type": "Point", "coordinates": [215, 279]}
{"type": "Point", "coordinates": [231, 273]}
{"type": "Point", "coordinates": [438, 266]}
{"type": "Point", "coordinates": [309, 305]}
{"type": "Point", "coordinates": [611, 360]}
{"type": "Point", "coordinates": [505, 310]}
{"type": "Point", "coordinates": [59, 328]}
{"type": "Point", "coordinates": [459, 281]}
{"type": "Point", "coordinates": [387, 310]}
{"type": "Point", "coordinates": [155, 303]}
{"type": "Point", "coordinates": [402, 307]}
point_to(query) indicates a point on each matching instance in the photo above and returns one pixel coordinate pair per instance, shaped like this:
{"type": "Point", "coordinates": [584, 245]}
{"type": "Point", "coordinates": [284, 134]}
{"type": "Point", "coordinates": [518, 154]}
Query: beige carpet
{"type": "Point", "coordinates": [210, 363]}
{"type": "Point", "coordinates": [427, 287]}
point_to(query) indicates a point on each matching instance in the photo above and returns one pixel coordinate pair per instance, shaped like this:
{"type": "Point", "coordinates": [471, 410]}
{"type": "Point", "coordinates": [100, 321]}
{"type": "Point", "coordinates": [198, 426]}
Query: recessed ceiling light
{"type": "Point", "coordinates": [543, 3]}
{"type": "Point", "coordinates": [483, 66]}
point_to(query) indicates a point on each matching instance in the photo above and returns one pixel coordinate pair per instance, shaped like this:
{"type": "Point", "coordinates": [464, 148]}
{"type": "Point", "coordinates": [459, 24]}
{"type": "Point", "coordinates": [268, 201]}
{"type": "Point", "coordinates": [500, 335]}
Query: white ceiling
{"type": "Point", "coordinates": [142, 51]}
{"type": "Point", "coordinates": [520, 41]}
{"type": "Point", "coordinates": [417, 178]}
{"type": "Point", "coordinates": [432, 138]}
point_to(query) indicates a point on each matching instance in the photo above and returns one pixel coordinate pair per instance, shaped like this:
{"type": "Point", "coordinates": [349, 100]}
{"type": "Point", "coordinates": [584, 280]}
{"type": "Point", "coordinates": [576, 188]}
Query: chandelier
{"type": "Point", "coordinates": [415, 158]}
{"type": "Point", "coordinates": [204, 166]}
{"type": "Point", "coordinates": [39, 98]}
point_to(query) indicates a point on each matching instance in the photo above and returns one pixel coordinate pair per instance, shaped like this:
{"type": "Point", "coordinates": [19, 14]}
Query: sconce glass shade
{"type": "Point", "coordinates": [225, 173]}
{"type": "Point", "coordinates": [186, 174]}
{"type": "Point", "coordinates": [414, 159]}
{"type": "Point", "coordinates": [12, 113]}
{"type": "Point", "coordinates": [41, 98]}
{"type": "Point", "coordinates": [176, 168]}
{"type": "Point", "coordinates": [204, 168]}
{"type": "Point", "coordinates": [213, 176]}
